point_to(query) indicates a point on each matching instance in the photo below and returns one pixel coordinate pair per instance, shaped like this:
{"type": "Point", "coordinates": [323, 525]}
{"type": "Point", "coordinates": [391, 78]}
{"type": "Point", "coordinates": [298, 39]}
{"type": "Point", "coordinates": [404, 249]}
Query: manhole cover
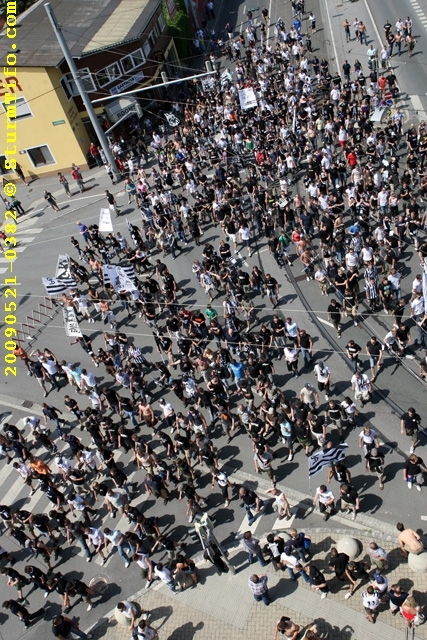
{"type": "Point", "coordinates": [27, 403]}
{"type": "Point", "coordinates": [99, 584]}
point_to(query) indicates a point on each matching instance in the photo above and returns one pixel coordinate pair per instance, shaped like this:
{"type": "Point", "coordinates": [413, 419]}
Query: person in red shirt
{"type": "Point", "coordinates": [352, 159]}
{"type": "Point", "coordinates": [382, 84]}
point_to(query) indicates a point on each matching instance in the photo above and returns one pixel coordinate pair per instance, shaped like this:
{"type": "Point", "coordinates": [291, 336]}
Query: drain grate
{"type": "Point", "coordinates": [27, 403]}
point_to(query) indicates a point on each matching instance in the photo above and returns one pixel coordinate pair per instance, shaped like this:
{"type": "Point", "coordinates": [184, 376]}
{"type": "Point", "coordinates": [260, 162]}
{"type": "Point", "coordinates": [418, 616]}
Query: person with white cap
{"type": "Point", "coordinates": [309, 395]}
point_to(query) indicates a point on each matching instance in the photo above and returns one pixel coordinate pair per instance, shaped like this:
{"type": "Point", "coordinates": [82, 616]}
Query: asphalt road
{"type": "Point", "coordinates": [46, 234]}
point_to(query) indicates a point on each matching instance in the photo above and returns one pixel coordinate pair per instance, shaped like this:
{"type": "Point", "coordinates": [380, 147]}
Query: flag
{"type": "Point", "coordinates": [121, 278]}
{"type": "Point", "coordinates": [63, 267]}
{"type": "Point", "coordinates": [318, 461]}
{"type": "Point", "coordinates": [54, 286]}
{"type": "Point", "coordinates": [130, 226]}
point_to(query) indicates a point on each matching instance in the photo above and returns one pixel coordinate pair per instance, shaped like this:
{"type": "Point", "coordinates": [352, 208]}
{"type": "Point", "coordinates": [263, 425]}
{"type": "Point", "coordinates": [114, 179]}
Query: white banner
{"type": "Point", "coordinates": [247, 98]}
{"type": "Point", "coordinates": [121, 278]}
{"type": "Point", "coordinates": [208, 84]}
{"type": "Point", "coordinates": [54, 286]}
{"type": "Point", "coordinates": [63, 267]}
{"type": "Point", "coordinates": [105, 224]}
{"type": "Point", "coordinates": [71, 325]}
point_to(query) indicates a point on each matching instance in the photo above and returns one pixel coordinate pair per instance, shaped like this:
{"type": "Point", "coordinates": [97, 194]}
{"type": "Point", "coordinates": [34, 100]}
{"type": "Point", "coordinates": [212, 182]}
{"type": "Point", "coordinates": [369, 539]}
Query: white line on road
{"type": "Point", "coordinates": [380, 39]}
{"type": "Point", "coordinates": [326, 322]}
{"type": "Point", "coordinates": [245, 526]}
{"type": "Point", "coordinates": [331, 31]}
{"type": "Point", "coordinates": [283, 524]}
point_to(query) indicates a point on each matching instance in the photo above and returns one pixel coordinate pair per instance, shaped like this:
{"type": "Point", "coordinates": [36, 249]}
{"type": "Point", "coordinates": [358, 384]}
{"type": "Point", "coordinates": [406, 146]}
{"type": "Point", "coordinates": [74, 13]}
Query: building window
{"type": "Point", "coordinates": [3, 169]}
{"type": "Point", "coordinates": [161, 22]}
{"type": "Point", "coordinates": [22, 108]}
{"type": "Point", "coordinates": [70, 88]}
{"type": "Point", "coordinates": [151, 40]}
{"type": "Point", "coordinates": [109, 74]}
{"type": "Point", "coordinates": [40, 156]}
{"type": "Point", "coordinates": [133, 60]}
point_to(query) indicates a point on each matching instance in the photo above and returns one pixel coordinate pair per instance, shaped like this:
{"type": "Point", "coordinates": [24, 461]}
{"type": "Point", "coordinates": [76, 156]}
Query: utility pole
{"type": "Point", "coordinates": [87, 103]}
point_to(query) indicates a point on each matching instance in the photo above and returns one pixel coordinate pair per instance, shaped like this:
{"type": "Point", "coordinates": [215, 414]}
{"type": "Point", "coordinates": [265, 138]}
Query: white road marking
{"type": "Point", "coordinates": [245, 526]}
{"type": "Point", "coordinates": [283, 524]}
{"type": "Point", "coordinates": [326, 322]}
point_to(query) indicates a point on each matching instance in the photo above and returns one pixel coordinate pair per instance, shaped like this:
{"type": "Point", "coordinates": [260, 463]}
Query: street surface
{"type": "Point", "coordinates": [44, 234]}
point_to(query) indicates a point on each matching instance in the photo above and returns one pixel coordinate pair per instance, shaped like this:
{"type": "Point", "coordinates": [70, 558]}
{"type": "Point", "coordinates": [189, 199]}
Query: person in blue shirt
{"type": "Point", "coordinates": [238, 371]}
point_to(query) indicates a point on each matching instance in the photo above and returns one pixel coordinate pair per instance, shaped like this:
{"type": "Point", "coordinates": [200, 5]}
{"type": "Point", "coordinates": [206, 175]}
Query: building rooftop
{"type": "Point", "coordinates": [88, 26]}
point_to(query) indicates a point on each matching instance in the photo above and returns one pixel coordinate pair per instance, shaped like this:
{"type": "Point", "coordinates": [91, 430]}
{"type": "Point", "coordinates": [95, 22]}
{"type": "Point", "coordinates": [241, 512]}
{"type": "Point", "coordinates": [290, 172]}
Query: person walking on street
{"type": "Point", "coordinates": [112, 204]}
{"type": "Point", "coordinates": [77, 176]}
{"type": "Point", "coordinates": [323, 377]}
{"type": "Point", "coordinates": [413, 471]}
{"type": "Point", "coordinates": [65, 629]}
{"type": "Point", "coordinates": [375, 353]}
{"type": "Point", "coordinates": [409, 425]}
{"type": "Point", "coordinates": [251, 503]}
{"type": "Point", "coordinates": [252, 547]}
{"type": "Point", "coordinates": [63, 180]}
{"type": "Point", "coordinates": [51, 200]}
{"type": "Point", "coordinates": [362, 387]}
{"type": "Point", "coordinates": [281, 504]}
{"type": "Point", "coordinates": [258, 584]}
{"type": "Point", "coordinates": [22, 612]}
{"type": "Point", "coordinates": [350, 501]}
{"type": "Point", "coordinates": [326, 500]}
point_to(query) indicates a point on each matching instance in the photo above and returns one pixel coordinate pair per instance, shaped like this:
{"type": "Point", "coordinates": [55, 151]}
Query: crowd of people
{"type": "Point", "coordinates": [309, 175]}
{"type": "Point", "coordinates": [291, 552]}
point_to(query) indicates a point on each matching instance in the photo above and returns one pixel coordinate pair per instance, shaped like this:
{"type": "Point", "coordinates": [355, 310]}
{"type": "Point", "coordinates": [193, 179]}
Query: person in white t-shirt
{"type": "Point", "coordinates": [145, 632]}
{"type": "Point", "coordinates": [323, 377]}
{"type": "Point", "coordinates": [362, 387]}
{"type": "Point", "coordinates": [129, 610]}
{"type": "Point", "coordinates": [326, 500]}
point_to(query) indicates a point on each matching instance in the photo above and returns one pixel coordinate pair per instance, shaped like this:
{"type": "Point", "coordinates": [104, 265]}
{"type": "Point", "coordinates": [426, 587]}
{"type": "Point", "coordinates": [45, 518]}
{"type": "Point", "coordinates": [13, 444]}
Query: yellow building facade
{"type": "Point", "coordinates": [117, 45]}
{"type": "Point", "coordinates": [50, 135]}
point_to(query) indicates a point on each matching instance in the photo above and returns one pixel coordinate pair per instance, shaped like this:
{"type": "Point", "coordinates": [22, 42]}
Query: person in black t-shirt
{"type": "Point", "coordinates": [272, 289]}
{"type": "Point", "coordinates": [413, 471]}
{"type": "Point", "coordinates": [22, 612]}
{"type": "Point", "coordinates": [409, 425]}
{"type": "Point", "coordinates": [375, 353]}
{"type": "Point", "coordinates": [334, 314]}
{"type": "Point", "coordinates": [355, 571]}
{"type": "Point", "coordinates": [317, 579]}
{"type": "Point", "coordinates": [250, 502]}
{"type": "Point", "coordinates": [338, 562]}
{"type": "Point", "coordinates": [352, 350]}
{"type": "Point", "coordinates": [62, 626]}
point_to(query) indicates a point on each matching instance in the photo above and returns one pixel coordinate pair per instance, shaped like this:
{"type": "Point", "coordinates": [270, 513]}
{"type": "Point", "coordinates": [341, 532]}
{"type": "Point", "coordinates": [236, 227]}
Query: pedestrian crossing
{"type": "Point", "coordinates": [24, 236]}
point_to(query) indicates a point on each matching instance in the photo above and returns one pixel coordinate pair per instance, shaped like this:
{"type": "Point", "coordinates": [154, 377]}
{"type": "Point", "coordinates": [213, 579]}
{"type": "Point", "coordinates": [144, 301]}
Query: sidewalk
{"type": "Point", "coordinates": [222, 607]}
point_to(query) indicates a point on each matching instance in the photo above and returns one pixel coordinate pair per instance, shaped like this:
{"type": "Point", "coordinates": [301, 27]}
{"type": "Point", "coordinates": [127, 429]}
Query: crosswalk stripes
{"type": "Point", "coordinates": [17, 492]}
{"type": "Point", "coordinates": [24, 238]}
{"type": "Point", "coordinates": [283, 524]}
